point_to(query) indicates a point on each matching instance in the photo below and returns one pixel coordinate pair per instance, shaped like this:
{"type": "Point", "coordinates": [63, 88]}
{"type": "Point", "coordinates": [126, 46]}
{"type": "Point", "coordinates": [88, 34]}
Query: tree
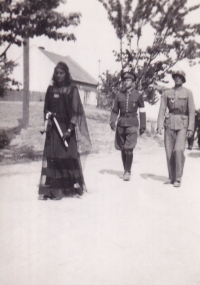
{"type": "Point", "coordinates": [24, 19]}
{"type": "Point", "coordinates": [6, 69]}
{"type": "Point", "coordinates": [108, 87]}
{"type": "Point", "coordinates": [28, 18]}
{"type": "Point", "coordinates": [173, 38]}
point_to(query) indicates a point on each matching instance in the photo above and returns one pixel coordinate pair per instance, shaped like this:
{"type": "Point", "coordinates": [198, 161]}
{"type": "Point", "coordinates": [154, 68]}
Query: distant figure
{"type": "Point", "coordinates": [125, 106]}
{"type": "Point", "coordinates": [198, 127]}
{"type": "Point", "coordinates": [196, 130]}
{"type": "Point", "coordinates": [61, 170]}
{"type": "Point", "coordinates": [198, 133]}
{"type": "Point", "coordinates": [198, 137]}
{"type": "Point", "coordinates": [178, 125]}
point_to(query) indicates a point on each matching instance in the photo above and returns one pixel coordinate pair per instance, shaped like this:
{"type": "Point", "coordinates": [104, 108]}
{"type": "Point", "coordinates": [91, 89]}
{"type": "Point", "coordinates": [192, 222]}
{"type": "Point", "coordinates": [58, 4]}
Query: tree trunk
{"type": "Point", "coordinates": [121, 50]}
{"type": "Point", "coordinates": [25, 118]}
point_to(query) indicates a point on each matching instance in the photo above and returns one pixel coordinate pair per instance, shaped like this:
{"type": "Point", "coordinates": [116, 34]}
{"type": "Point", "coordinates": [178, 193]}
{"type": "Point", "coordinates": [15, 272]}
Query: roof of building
{"type": "Point", "coordinates": [76, 71]}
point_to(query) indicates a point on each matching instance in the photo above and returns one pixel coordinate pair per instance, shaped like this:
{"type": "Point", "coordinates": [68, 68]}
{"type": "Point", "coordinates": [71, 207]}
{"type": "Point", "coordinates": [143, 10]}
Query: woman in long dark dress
{"type": "Point", "coordinates": [61, 170]}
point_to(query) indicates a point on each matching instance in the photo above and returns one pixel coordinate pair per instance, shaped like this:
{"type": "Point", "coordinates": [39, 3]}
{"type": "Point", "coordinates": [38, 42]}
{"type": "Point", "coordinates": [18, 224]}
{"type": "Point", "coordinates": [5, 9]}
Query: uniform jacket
{"type": "Point", "coordinates": [125, 106]}
{"type": "Point", "coordinates": [179, 103]}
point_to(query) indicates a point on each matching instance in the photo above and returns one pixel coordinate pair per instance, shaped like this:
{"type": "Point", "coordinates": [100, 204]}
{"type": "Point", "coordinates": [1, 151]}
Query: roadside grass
{"type": "Point", "coordinates": [20, 145]}
{"type": "Point", "coordinates": [11, 113]}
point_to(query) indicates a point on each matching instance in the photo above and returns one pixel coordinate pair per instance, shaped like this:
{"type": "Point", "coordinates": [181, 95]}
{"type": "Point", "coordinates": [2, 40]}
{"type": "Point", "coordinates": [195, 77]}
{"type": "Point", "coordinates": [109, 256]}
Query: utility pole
{"type": "Point", "coordinates": [25, 117]}
{"type": "Point", "coordinates": [99, 70]}
{"type": "Point", "coordinates": [98, 92]}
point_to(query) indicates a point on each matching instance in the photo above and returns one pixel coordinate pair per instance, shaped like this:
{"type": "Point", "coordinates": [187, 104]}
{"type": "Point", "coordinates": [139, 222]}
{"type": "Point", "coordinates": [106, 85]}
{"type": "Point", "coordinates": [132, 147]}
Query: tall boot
{"type": "Point", "coordinates": [123, 154]}
{"type": "Point", "coordinates": [128, 164]}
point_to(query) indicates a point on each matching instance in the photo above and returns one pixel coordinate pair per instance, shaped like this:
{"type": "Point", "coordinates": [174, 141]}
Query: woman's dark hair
{"type": "Point", "coordinates": [65, 68]}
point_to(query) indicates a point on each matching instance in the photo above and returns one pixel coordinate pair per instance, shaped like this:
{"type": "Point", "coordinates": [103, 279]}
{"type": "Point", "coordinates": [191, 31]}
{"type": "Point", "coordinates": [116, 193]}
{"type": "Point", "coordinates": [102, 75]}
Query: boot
{"type": "Point", "coordinates": [128, 164]}
{"type": "Point", "coordinates": [123, 154]}
{"type": "Point", "coordinates": [129, 160]}
{"type": "Point", "coordinates": [127, 176]}
{"type": "Point", "coordinates": [177, 183]}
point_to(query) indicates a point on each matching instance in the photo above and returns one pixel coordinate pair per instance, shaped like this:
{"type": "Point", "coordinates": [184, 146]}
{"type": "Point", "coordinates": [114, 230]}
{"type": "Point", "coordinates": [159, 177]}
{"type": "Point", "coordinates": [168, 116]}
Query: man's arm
{"type": "Point", "coordinates": [191, 110]}
{"type": "Point", "coordinates": [114, 112]}
{"type": "Point", "coordinates": [142, 112]}
{"type": "Point", "coordinates": [161, 114]}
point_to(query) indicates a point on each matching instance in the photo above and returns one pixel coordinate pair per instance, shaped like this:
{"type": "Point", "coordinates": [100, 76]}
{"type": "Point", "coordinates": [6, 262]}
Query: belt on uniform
{"type": "Point", "coordinates": [128, 115]}
{"type": "Point", "coordinates": [178, 112]}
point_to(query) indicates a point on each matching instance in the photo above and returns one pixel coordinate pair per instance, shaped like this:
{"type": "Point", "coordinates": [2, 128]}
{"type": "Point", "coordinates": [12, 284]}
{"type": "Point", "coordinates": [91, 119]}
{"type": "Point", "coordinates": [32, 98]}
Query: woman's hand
{"type": "Point", "coordinates": [113, 127]}
{"type": "Point", "coordinates": [67, 135]}
{"type": "Point", "coordinates": [49, 124]}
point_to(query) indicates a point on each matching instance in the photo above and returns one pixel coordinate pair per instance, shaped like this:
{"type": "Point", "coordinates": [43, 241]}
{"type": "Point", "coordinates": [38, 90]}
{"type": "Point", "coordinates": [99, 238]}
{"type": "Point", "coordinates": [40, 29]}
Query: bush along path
{"type": "Point", "coordinates": [8, 152]}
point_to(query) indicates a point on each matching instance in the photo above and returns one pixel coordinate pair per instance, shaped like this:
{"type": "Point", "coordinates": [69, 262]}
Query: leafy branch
{"type": "Point", "coordinates": [174, 39]}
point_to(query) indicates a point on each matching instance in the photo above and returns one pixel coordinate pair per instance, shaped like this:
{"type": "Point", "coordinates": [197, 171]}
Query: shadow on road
{"type": "Point", "coordinates": [112, 172]}
{"type": "Point", "coordinates": [194, 154]}
{"type": "Point", "coordinates": [153, 176]}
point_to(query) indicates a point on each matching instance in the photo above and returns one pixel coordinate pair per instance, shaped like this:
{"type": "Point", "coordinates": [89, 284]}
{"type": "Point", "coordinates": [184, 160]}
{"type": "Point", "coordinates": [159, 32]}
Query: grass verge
{"type": "Point", "coordinates": [24, 145]}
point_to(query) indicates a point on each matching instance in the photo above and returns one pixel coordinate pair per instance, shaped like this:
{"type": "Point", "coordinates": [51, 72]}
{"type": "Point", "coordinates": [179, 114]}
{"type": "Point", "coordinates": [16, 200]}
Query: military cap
{"type": "Point", "coordinates": [179, 72]}
{"type": "Point", "coordinates": [128, 74]}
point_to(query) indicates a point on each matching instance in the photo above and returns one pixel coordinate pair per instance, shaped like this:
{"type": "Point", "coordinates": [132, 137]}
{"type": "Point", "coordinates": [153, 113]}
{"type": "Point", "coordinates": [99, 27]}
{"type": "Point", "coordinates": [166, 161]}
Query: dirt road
{"type": "Point", "coordinates": [120, 233]}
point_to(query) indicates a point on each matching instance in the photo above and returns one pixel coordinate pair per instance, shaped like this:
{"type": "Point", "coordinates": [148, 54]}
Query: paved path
{"type": "Point", "coordinates": [120, 233]}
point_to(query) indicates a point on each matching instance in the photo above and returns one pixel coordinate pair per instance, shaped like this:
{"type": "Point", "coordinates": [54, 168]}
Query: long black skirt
{"type": "Point", "coordinates": [61, 173]}
{"type": "Point", "coordinates": [61, 177]}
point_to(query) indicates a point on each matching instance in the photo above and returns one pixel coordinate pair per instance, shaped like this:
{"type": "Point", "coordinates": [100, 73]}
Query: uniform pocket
{"type": "Point", "coordinates": [133, 105]}
{"type": "Point", "coordinates": [185, 121]}
{"type": "Point", "coordinates": [169, 120]}
{"type": "Point", "coordinates": [182, 96]}
{"type": "Point", "coordinates": [182, 100]}
{"type": "Point", "coordinates": [166, 122]}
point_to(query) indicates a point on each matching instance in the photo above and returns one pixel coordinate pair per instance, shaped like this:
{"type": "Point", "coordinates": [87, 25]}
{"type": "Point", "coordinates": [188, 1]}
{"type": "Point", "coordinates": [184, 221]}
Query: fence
{"type": "Point", "coordinates": [14, 95]}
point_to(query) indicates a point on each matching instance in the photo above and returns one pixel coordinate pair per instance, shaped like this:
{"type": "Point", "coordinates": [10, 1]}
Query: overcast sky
{"type": "Point", "coordinates": [96, 40]}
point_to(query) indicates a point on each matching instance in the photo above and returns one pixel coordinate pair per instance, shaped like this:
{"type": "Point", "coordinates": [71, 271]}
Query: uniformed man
{"type": "Point", "coordinates": [125, 107]}
{"type": "Point", "coordinates": [178, 125]}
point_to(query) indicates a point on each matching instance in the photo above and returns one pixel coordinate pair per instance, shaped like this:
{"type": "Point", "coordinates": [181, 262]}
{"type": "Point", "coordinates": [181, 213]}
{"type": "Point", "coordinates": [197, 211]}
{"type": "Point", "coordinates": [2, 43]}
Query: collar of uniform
{"type": "Point", "coordinates": [129, 90]}
{"type": "Point", "coordinates": [178, 88]}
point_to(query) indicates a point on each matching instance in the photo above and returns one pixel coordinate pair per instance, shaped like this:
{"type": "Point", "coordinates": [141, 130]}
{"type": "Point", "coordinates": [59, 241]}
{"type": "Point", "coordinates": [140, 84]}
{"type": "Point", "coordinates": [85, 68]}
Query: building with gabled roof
{"type": "Point", "coordinates": [77, 72]}
{"type": "Point", "coordinates": [41, 67]}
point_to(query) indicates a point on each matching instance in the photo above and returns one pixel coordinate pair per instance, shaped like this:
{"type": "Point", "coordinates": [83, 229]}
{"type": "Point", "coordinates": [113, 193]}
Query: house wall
{"type": "Point", "coordinates": [41, 71]}
{"type": "Point", "coordinates": [88, 97]}
{"type": "Point", "coordinates": [14, 95]}
{"type": "Point", "coordinates": [87, 93]}
{"type": "Point", "coordinates": [92, 98]}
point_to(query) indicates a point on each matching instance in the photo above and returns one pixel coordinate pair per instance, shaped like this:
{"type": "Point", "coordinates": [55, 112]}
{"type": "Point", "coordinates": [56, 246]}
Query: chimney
{"type": "Point", "coordinates": [42, 48]}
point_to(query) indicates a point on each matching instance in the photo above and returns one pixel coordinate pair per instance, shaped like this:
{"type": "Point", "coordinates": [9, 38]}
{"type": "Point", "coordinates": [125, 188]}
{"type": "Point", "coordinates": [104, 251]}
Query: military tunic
{"type": "Point", "coordinates": [125, 108]}
{"type": "Point", "coordinates": [180, 118]}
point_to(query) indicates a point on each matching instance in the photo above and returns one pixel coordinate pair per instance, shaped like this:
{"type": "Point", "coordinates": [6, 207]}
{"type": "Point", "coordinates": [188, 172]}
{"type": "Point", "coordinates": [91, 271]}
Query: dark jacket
{"type": "Point", "coordinates": [126, 106]}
